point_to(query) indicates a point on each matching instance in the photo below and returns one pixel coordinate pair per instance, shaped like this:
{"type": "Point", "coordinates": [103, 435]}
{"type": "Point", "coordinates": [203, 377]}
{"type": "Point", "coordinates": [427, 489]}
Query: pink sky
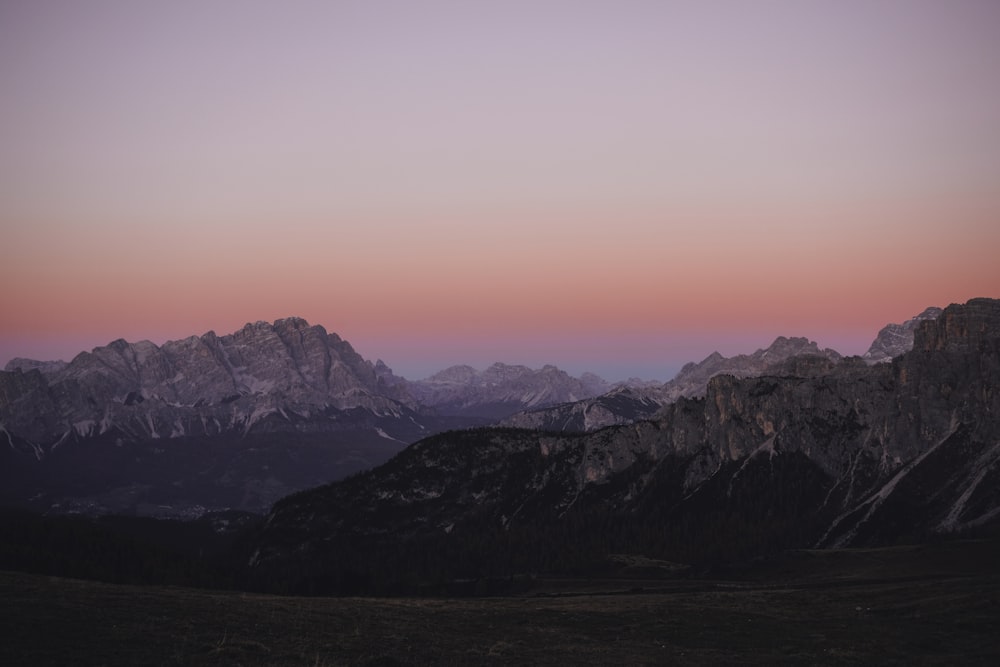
{"type": "Point", "coordinates": [611, 186]}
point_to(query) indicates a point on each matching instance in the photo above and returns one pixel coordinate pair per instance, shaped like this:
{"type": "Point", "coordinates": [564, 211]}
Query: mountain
{"type": "Point", "coordinates": [501, 390]}
{"type": "Point", "coordinates": [238, 421]}
{"type": "Point", "coordinates": [692, 380]}
{"type": "Point", "coordinates": [234, 421]}
{"type": "Point", "coordinates": [895, 339]}
{"type": "Point", "coordinates": [861, 455]}
{"type": "Point", "coordinates": [241, 420]}
{"type": "Point", "coordinates": [638, 400]}
{"type": "Point", "coordinates": [626, 405]}
{"type": "Point", "coordinates": [621, 405]}
{"type": "Point", "coordinates": [289, 361]}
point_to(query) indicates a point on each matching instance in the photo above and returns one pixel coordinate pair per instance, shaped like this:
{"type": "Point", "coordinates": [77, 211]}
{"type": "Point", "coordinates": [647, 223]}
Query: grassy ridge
{"type": "Point", "coordinates": [936, 604]}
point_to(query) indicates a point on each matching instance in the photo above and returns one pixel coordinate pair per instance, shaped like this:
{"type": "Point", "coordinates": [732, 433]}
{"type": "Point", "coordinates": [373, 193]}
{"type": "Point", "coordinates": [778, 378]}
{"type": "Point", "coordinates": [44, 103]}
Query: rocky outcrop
{"type": "Point", "coordinates": [895, 339]}
{"type": "Point", "coordinates": [848, 454]}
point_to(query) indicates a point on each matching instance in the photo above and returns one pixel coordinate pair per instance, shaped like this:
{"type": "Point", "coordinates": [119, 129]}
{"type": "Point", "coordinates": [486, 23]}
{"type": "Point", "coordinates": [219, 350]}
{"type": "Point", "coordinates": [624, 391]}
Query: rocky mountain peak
{"type": "Point", "coordinates": [292, 323]}
{"type": "Point", "coordinates": [598, 385]}
{"type": "Point", "coordinates": [500, 372]}
{"type": "Point", "coordinates": [460, 374]}
{"type": "Point", "coordinates": [895, 339]}
{"type": "Point", "coordinates": [290, 390]}
{"type": "Point", "coordinates": [286, 362]}
{"type": "Point", "coordinates": [784, 348]}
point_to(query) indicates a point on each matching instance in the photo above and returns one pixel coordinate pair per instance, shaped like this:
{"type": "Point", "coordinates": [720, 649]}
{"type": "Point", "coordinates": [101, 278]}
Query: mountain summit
{"type": "Point", "coordinates": [895, 339]}
{"type": "Point", "coordinates": [261, 370]}
{"type": "Point", "coordinates": [202, 383]}
{"type": "Point", "coordinates": [238, 420]}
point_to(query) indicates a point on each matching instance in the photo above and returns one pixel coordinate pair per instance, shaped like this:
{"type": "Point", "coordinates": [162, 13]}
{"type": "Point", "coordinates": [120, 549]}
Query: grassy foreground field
{"type": "Point", "coordinates": [937, 604]}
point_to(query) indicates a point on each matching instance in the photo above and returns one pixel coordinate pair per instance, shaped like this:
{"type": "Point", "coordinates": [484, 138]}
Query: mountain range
{"type": "Point", "coordinates": [628, 404]}
{"type": "Point", "coordinates": [241, 420]}
{"type": "Point", "coordinates": [233, 421]}
{"type": "Point", "coordinates": [824, 453]}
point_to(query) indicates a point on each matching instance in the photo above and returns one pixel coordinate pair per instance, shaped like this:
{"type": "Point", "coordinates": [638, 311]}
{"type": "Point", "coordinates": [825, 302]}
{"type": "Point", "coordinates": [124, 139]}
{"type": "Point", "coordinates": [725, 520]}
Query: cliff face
{"type": "Point", "coordinates": [933, 414]}
{"type": "Point", "coordinates": [859, 455]}
{"type": "Point", "coordinates": [202, 383]}
{"type": "Point", "coordinates": [220, 421]}
{"type": "Point", "coordinates": [895, 339]}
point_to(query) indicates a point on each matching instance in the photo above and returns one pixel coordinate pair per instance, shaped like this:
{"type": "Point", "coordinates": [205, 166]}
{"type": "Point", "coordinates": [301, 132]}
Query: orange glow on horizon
{"type": "Point", "coordinates": [488, 180]}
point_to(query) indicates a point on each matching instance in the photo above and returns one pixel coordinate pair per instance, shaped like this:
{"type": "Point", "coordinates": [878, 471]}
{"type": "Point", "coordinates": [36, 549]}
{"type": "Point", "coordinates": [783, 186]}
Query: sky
{"type": "Point", "coordinates": [617, 187]}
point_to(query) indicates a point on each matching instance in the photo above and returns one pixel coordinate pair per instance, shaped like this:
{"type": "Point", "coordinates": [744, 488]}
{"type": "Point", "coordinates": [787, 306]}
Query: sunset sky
{"type": "Point", "coordinates": [618, 186]}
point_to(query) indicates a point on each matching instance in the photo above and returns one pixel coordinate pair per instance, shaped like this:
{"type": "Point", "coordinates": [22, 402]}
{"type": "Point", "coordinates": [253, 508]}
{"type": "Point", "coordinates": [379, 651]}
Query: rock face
{"type": "Point", "coordinates": [895, 339]}
{"type": "Point", "coordinates": [858, 455]}
{"type": "Point", "coordinates": [626, 405]}
{"type": "Point", "coordinates": [197, 384]}
{"type": "Point", "coordinates": [501, 389]}
{"type": "Point", "coordinates": [272, 386]}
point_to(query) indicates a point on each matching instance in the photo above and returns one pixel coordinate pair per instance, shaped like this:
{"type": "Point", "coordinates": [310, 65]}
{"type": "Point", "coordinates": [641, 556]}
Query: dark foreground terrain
{"type": "Point", "coordinates": [931, 604]}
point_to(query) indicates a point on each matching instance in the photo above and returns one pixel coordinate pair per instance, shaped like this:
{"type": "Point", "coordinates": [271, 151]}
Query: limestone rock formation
{"type": "Point", "coordinates": [229, 381]}
{"type": "Point", "coordinates": [270, 385]}
{"type": "Point", "coordinates": [895, 339]}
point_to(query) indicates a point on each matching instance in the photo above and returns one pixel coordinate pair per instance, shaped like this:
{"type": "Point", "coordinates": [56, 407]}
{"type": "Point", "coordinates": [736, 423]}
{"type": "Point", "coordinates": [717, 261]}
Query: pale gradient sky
{"type": "Point", "coordinates": [611, 186]}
